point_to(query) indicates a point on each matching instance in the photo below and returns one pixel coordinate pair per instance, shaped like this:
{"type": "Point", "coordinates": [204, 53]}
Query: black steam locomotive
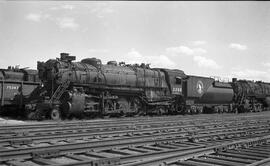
{"type": "Point", "coordinates": [90, 88]}
{"type": "Point", "coordinates": [15, 87]}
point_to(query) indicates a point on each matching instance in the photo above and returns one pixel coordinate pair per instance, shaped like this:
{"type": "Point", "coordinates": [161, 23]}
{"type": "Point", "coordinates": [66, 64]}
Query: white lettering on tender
{"type": "Point", "coordinates": [11, 87]}
{"type": "Point", "coordinates": [177, 89]}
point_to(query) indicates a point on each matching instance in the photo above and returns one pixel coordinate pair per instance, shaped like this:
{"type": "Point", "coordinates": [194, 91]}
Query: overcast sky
{"type": "Point", "coordinates": [227, 39]}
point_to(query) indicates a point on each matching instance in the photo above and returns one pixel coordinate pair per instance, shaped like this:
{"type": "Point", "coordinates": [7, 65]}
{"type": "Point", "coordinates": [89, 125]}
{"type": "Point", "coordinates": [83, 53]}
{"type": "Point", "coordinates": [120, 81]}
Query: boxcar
{"type": "Point", "coordinates": [15, 85]}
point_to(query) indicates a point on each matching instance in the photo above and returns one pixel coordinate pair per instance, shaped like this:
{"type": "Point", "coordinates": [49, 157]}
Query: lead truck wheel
{"type": "Point", "coordinates": [55, 114]}
{"type": "Point", "coordinates": [31, 115]}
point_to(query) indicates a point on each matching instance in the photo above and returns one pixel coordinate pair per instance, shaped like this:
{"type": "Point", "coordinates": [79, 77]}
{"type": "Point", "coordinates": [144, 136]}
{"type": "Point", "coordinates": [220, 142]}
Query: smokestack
{"type": "Point", "coordinates": [66, 57]}
{"type": "Point", "coordinates": [234, 79]}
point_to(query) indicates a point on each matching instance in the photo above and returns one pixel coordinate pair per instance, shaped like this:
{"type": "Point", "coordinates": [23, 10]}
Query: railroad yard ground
{"type": "Point", "coordinates": [14, 121]}
{"type": "Point", "coordinates": [191, 140]}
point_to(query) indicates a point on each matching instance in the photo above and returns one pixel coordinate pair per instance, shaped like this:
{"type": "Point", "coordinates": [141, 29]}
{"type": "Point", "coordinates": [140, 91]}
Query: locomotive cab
{"type": "Point", "coordinates": [175, 79]}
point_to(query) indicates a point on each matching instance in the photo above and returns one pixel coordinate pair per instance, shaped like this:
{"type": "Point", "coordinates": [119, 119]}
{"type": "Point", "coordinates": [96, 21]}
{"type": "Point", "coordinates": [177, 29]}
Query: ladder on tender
{"type": "Point", "coordinates": [59, 91]}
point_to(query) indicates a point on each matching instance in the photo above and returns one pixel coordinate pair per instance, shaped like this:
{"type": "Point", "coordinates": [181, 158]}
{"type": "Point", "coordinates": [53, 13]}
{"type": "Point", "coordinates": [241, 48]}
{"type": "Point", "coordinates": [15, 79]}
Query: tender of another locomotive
{"type": "Point", "coordinates": [205, 94]}
{"type": "Point", "coordinates": [15, 86]}
{"type": "Point", "coordinates": [89, 87]}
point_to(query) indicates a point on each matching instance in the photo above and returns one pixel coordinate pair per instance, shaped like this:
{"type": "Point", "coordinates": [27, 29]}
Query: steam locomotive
{"type": "Point", "coordinates": [90, 88]}
{"type": "Point", "coordinates": [15, 87]}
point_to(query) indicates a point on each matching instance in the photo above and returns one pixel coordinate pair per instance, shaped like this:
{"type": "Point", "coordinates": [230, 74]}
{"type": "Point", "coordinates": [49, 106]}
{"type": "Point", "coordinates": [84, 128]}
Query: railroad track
{"type": "Point", "coordinates": [139, 152]}
{"type": "Point", "coordinates": [118, 121]}
{"type": "Point", "coordinates": [78, 133]}
{"type": "Point", "coordinates": [171, 141]}
{"type": "Point", "coordinates": [251, 152]}
{"type": "Point", "coordinates": [45, 128]}
{"type": "Point", "coordinates": [183, 130]}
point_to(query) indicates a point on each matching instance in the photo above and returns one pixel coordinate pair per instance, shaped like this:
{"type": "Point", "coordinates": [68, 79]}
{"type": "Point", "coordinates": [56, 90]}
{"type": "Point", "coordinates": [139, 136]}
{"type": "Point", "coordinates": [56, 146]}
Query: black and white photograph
{"type": "Point", "coordinates": [134, 83]}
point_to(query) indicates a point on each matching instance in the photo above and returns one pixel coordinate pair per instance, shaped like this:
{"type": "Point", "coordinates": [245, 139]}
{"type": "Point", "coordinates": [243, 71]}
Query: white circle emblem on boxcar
{"type": "Point", "coordinates": [199, 87]}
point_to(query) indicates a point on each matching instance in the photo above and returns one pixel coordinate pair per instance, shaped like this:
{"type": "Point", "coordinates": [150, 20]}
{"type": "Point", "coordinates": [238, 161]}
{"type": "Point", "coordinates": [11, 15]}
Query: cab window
{"type": "Point", "coordinates": [178, 80]}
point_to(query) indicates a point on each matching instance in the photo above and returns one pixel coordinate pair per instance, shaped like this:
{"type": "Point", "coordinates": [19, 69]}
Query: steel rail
{"type": "Point", "coordinates": [261, 162]}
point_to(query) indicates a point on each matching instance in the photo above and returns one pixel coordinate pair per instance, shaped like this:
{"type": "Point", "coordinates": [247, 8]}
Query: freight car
{"type": "Point", "coordinates": [91, 88]}
{"type": "Point", "coordinates": [15, 85]}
